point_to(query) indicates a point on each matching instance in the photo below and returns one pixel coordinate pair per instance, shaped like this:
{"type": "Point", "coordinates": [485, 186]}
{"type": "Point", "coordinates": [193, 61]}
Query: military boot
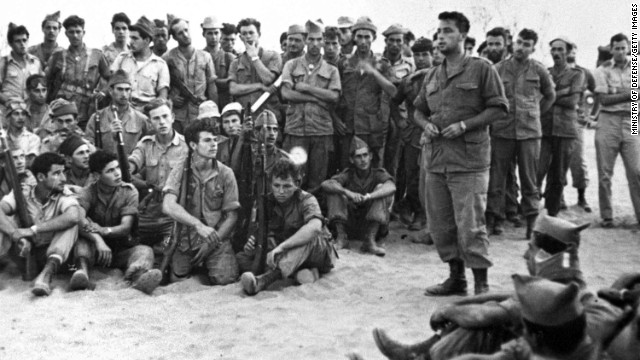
{"type": "Point", "coordinates": [146, 281]}
{"type": "Point", "coordinates": [80, 278]}
{"type": "Point", "coordinates": [456, 284]}
{"type": "Point", "coordinates": [252, 284]}
{"type": "Point", "coordinates": [41, 287]}
{"type": "Point", "coordinates": [342, 240]}
{"type": "Point", "coordinates": [582, 202]}
{"type": "Point", "coordinates": [498, 227]}
{"type": "Point", "coordinates": [369, 244]}
{"type": "Point", "coordinates": [397, 351]}
{"type": "Point", "coordinates": [531, 220]}
{"type": "Point", "coordinates": [489, 222]}
{"type": "Point", "coordinates": [481, 282]}
{"type": "Point", "coordinates": [419, 221]}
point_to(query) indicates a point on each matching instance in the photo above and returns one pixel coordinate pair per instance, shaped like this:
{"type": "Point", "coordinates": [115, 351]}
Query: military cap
{"type": "Point", "coordinates": [563, 39]}
{"type": "Point", "coordinates": [345, 22]}
{"type": "Point", "coordinates": [364, 23]}
{"type": "Point", "coordinates": [145, 26]}
{"type": "Point", "coordinates": [119, 77]}
{"type": "Point", "coordinates": [296, 29]}
{"type": "Point", "coordinates": [211, 22]}
{"type": "Point", "coordinates": [70, 144]}
{"type": "Point", "coordinates": [208, 109]}
{"type": "Point", "coordinates": [232, 107]}
{"type": "Point", "coordinates": [267, 117]}
{"type": "Point", "coordinates": [12, 26]}
{"type": "Point", "coordinates": [357, 144]}
{"type": "Point", "coordinates": [17, 104]}
{"type": "Point", "coordinates": [422, 44]}
{"type": "Point", "coordinates": [314, 26]}
{"type": "Point", "coordinates": [547, 303]}
{"type": "Point", "coordinates": [395, 29]}
{"type": "Point", "coordinates": [53, 17]}
{"type": "Point", "coordinates": [60, 107]}
{"type": "Point", "coordinates": [159, 23]}
{"type": "Point", "coordinates": [559, 229]}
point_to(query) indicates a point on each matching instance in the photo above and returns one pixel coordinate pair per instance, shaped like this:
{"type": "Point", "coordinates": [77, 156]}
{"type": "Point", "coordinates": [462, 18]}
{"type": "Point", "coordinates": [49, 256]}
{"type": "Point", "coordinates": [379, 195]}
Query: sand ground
{"type": "Point", "coordinates": [324, 320]}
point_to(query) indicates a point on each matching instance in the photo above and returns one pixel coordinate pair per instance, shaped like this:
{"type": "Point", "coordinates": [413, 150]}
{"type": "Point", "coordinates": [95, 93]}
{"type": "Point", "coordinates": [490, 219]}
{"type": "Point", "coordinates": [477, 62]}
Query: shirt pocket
{"type": "Point", "coordinates": [133, 127]}
{"type": "Point", "coordinates": [532, 85]}
{"type": "Point", "coordinates": [322, 81]}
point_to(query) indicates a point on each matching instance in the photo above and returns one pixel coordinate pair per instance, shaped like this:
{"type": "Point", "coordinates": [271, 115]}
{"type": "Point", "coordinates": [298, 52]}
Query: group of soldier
{"type": "Point", "coordinates": [430, 135]}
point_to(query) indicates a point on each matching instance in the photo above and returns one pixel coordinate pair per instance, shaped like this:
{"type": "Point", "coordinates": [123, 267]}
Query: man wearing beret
{"type": "Point", "coordinates": [458, 101]}
{"type": "Point", "coordinates": [76, 152]}
{"type": "Point", "coordinates": [366, 93]}
{"type": "Point", "coordinates": [515, 138]}
{"type": "Point", "coordinates": [18, 135]}
{"type": "Point", "coordinates": [64, 123]}
{"type": "Point", "coordinates": [119, 117]}
{"type": "Point", "coordinates": [559, 125]}
{"type": "Point", "coordinates": [51, 28]}
{"type": "Point", "coordinates": [55, 215]}
{"type": "Point", "coordinates": [149, 72]}
{"type": "Point", "coordinates": [311, 86]}
{"type": "Point", "coordinates": [358, 199]}
{"type": "Point", "coordinates": [410, 134]}
{"type": "Point", "coordinates": [74, 74]}
{"type": "Point", "coordinates": [399, 67]}
{"type": "Point", "coordinates": [252, 72]}
{"type": "Point", "coordinates": [195, 70]}
{"type": "Point", "coordinates": [211, 30]}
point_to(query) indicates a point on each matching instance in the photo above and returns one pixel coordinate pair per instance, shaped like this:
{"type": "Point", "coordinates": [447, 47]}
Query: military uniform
{"type": "Point", "coordinates": [43, 54]}
{"type": "Point", "coordinates": [613, 136]}
{"type": "Point", "coordinates": [210, 200]}
{"type": "Point", "coordinates": [39, 115]}
{"type": "Point", "coordinates": [83, 179]}
{"type": "Point", "coordinates": [578, 164]}
{"type": "Point", "coordinates": [197, 73]}
{"type": "Point", "coordinates": [47, 244]}
{"type": "Point", "coordinates": [74, 77]}
{"type": "Point", "coordinates": [364, 108]}
{"type": "Point", "coordinates": [13, 77]}
{"type": "Point", "coordinates": [147, 78]}
{"type": "Point", "coordinates": [356, 216]}
{"type": "Point", "coordinates": [457, 175]}
{"type": "Point", "coordinates": [516, 136]}
{"type": "Point", "coordinates": [309, 125]}
{"type": "Point", "coordinates": [242, 71]}
{"type": "Point", "coordinates": [51, 141]}
{"type": "Point", "coordinates": [559, 133]}
{"type": "Point", "coordinates": [222, 62]}
{"type": "Point", "coordinates": [107, 210]}
{"type": "Point", "coordinates": [155, 163]}
{"type": "Point", "coordinates": [27, 141]}
{"type": "Point", "coordinates": [135, 125]}
{"type": "Point", "coordinates": [284, 221]}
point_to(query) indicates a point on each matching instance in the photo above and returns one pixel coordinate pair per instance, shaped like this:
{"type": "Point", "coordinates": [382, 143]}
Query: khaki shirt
{"type": "Point", "coordinates": [408, 90]}
{"type": "Point", "coordinates": [147, 78]}
{"type": "Point", "coordinates": [396, 73]}
{"type": "Point", "coordinates": [221, 62]}
{"type": "Point", "coordinates": [243, 72]}
{"type": "Point", "coordinates": [13, 77]}
{"type": "Point", "coordinates": [457, 95]}
{"type": "Point", "coordinates": [310, 118]}
{"type": "Point", "coordinates": [135, 125]}
{"type": "Point", "coordinates": [56, 205]}
{"type": "Point", "coordinates": [609, 77]}
{"type": "Point", "coordinates": [286, 219]}
{"type": "Point", "coordinates": [27, 141]}
{"type": "Point", "coordinates": [111, 52]}
{"type": "Point", "coordinates": [524, 87]}
{"type": "Point", "coordinates": [109, 211]}
{"type": "Point", "coordinates": [559, 120]}
{"type": "Point", "coordinates": [42, 54]}
{"type": "Point", "coordinates": [84, 179]}
{"type": "Point", "coordinates": [364, 105]}
{"type": "Point", "coordinates": [349, 180]}
{"type": "Point", "coordinates": [155, 162]}
{"type": "Point", "coordinates": [197, 73]}
{"type": "Point", "coordinates": [208, 199]}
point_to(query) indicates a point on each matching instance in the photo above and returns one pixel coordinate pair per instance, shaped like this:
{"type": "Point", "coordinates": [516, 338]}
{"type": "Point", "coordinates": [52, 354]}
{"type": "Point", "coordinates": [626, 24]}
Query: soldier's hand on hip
{"type": "Point", "coordinates": [452, 131]}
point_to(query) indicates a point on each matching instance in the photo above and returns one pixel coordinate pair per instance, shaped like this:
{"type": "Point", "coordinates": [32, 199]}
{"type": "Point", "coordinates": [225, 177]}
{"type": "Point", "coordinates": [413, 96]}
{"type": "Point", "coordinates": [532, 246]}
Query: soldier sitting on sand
{"type": "Point", "coordinates": [360, 195]}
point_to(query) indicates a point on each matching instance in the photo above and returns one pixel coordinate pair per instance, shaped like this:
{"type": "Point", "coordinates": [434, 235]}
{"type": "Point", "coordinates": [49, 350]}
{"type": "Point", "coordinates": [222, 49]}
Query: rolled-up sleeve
{"type": "Point", "coordinates": [311, 209]}
{"type": "Point", "coordinates": [492, 89]}
{"type": "Point", "coordinates": [286, 73]}
{"type": "Point", "coordinates": [230, 201]}
{"type": "Point", "coordinates": [233, 70]}
{"type": "Point", "coordinates": [130, 206]}
{"type": "Point", "coordinates": [602, 86]}
{"type": "Point", "coordinates": [174, 180]}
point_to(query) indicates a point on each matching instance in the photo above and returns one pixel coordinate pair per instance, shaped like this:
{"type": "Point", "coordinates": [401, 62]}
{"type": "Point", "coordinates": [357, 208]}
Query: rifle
{"type": "Point", "coordinates": [122, 155]}
{"type": "Point", "coordinates": [24, 219]}
{"type": "Point", "coordinates": [177, 226]}
{"type": "Point", "coordinates": [97, 139]}
{"type": "Point", "coordinates": [178, 83]}
{"type": "Point", "coordinates": [259, 212]}
{"type": "Point", "coordinates": [266, 95]}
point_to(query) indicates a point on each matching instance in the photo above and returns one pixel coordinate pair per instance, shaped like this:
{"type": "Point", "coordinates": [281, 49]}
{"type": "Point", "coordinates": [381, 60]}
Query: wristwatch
{"type": "Point", "coordinates": [463, 126]}
{"type": "Point", "coordinates": [108, 231]}
{"type": "Point", "coordinates": [34, 229]}
{"type": "Point", "coordinates": [255, 58]}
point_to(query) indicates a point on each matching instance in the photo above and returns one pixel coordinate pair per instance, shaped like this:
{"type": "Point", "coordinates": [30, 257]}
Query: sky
{"type": "Point", "coordinates": [589, 23]}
